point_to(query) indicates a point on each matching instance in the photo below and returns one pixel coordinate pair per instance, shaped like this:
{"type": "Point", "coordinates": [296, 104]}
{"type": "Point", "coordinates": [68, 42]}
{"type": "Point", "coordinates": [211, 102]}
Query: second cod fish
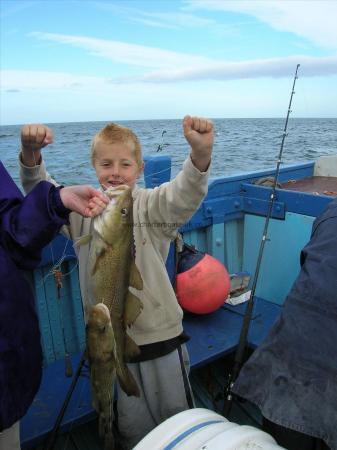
{"type": "Point", "coordinates": [100, 351]}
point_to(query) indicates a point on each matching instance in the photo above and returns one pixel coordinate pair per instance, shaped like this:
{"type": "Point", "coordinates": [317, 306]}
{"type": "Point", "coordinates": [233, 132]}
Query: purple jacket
{"type": "Point", "coordinates": [26, 226]}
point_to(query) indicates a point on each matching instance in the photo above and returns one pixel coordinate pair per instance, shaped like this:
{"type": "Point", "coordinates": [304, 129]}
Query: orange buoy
{"type": "Point", "coordinates": [202, 283]}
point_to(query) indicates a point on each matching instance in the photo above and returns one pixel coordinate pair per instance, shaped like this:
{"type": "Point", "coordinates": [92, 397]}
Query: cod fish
{"type": "Point", "coordinates": [100, 351]}
{"type": "Point", "coordinates": [113, 270]}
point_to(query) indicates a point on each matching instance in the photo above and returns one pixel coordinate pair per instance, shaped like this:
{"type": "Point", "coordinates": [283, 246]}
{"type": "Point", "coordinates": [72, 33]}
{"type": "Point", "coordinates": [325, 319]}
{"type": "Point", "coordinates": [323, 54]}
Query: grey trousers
{"type": "Point", "coordinates": [10, 438]}
{"type": "Point", "coordinates": [165, 391]}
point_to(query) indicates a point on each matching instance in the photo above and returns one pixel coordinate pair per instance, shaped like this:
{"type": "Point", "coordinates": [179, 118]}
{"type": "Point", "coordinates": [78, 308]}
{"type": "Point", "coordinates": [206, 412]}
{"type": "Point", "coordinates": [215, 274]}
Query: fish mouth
{"type": "Point", "coordinates": [114, 191]}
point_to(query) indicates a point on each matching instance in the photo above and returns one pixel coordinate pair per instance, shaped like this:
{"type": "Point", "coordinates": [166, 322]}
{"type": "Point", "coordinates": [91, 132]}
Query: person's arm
{"type": "Point", "coordinates": [172, 204]}
{"type": "Point", "coordinates": [199, 134]}
{"type": "Point", "coordinates": [34, 137]}
{"type": "Point", "coordinates": [33, 170]}
{"type": "Point", "coordinates": [28, 223]}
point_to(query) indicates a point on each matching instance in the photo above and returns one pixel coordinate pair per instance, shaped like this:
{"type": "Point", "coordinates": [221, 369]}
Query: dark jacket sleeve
{"type": "Point", "coordinates": [28, 223]}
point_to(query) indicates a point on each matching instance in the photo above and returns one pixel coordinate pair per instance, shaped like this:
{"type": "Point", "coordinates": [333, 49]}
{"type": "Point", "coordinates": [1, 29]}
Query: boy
{"type": "Point", "coordinates": [162, 367]}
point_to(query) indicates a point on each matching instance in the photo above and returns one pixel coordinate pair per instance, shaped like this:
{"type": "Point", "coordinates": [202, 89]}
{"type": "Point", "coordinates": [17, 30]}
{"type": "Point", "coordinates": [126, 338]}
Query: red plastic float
{"type": "Point", "coordinates": [202, 283]}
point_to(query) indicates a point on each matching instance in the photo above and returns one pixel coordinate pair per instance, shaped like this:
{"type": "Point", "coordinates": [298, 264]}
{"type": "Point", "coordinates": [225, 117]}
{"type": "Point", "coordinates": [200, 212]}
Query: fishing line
{"type": "Point", "coordinates": [242, 344]}
{"type": "Point", "coordinates": [51, 272]}
{"type": "Point", "coordinates": [59, 275]}
{"type": "Point", "coordinates": [56, 266]}
{"type": "Point", "coordinates": [56, 271]}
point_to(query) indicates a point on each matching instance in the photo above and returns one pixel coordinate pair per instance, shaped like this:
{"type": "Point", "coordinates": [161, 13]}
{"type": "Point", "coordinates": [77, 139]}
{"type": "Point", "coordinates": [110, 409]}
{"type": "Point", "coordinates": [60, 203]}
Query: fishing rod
{"type": "Point", "coordinates": [240, 351]}
{"type": "Point", "coordinates": [51, 437]}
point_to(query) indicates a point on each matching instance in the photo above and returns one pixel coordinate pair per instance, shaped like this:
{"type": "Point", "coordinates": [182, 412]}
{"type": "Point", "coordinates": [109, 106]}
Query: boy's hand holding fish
{"type": "Point", "coordinates": [198, 132]}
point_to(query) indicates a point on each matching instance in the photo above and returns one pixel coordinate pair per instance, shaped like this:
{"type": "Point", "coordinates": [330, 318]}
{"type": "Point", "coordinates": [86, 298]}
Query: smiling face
{"type": "Point", "coordinates": [116, 164]}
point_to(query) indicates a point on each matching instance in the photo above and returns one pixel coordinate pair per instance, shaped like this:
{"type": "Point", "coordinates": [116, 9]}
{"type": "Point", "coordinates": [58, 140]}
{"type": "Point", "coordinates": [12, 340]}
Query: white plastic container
{"type": "Point", "coordinates": [202, 429]}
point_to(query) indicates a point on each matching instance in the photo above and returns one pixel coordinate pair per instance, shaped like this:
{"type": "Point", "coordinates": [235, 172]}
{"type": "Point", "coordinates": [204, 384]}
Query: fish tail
{"type": "Point", "coordinates": [127, 381]}
{"type": "Point", "coordinates": [131, 349]}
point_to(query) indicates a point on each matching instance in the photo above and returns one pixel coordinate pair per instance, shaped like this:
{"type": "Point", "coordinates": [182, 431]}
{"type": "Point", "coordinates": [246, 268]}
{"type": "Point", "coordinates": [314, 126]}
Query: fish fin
{"type": "Point", "coordinates": [125, 377]}
{"type": "Point", "coordinates": [100, 250]}
{"type": "Point", "coordinates": [131, 349]}
{"type": "Point", "coordinates": [133, 307]}
{"type": "Point", "coordinates": [103, 404]}
{"type": "Point", "coordinates": [127, 381]}
{"type": "Point", "coordinates": [135, 279]}
{"type": "Point", "coordinates": [109, 442]}
{"type": "Point", "coordinates": [83, 240]}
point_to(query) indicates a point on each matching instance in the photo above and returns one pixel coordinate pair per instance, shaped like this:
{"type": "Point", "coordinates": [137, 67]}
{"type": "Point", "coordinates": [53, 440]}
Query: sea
{"type": "Point", "coordinates": [240, 145]}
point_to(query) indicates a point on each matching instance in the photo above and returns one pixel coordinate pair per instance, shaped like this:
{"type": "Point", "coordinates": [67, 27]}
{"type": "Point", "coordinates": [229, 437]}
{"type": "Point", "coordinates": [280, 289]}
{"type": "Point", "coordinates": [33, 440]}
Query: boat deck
{"type": "Point", "coordinates": [213, 337]}
{"type": "Point", "coordinates": [316, 185]}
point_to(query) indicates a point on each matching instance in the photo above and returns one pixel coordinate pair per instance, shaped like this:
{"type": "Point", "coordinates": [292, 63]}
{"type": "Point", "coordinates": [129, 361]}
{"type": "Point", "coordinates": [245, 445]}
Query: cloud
{"type": "Point", "coordinates": [13, 80]}
{"type": "Point", "coordinates": [171, 20]}
{"type": "Point", "coordinates": [169, 66]}
{"type": "Point", "coordinates": [270, 68]}
{"type": "Point", "coordinates": [122, 52]}
{"type": "Point", "coordinates": [157, 19]}
{"type": "Point", "coordinates": [23, 80]}
{"type": "Point", "coordinates": [313, 20]}
{"type": "Point", "coordinates": [13, 8]}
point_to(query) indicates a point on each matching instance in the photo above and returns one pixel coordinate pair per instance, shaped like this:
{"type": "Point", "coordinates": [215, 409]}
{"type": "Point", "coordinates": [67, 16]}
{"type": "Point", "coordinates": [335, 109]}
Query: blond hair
{"type": "Point", "coordinates": [113, 133]}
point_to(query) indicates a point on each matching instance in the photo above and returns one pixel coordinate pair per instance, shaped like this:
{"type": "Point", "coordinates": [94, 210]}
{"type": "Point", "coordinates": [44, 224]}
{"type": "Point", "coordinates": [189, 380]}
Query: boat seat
{"type": "Point", "coordinates": [217, 334]}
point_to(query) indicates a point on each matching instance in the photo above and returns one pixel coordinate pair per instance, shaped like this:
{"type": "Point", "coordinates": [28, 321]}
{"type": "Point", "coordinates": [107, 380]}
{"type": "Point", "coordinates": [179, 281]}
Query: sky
{"type": "Point", "coordinates": [74, 61]}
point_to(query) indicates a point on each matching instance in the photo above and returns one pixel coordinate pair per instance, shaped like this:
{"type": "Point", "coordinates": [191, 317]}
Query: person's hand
{"type": "Point", "coordinates": [85, 200]}
{"type": "Point", "coordinates": [199, 134]}
{"type": "Point", "coordinates": [33, 138]}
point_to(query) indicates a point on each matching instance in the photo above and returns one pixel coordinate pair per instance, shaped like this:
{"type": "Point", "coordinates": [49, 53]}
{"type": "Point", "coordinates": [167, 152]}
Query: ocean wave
{"type": "Point", "coordinates": [240, 145]}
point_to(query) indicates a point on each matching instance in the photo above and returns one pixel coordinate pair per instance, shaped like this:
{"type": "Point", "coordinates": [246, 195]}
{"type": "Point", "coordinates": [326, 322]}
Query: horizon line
{"type": "Point", "coordinates": [170, 119]}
